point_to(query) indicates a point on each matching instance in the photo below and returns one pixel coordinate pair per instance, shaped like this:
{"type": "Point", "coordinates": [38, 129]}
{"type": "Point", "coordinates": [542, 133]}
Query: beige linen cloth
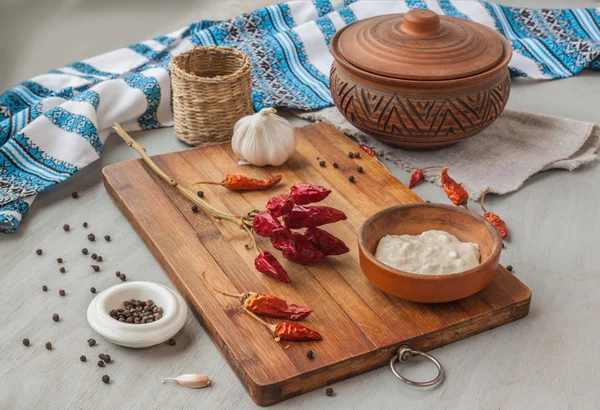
{"type": "Point", "coordinates": [515, 147]}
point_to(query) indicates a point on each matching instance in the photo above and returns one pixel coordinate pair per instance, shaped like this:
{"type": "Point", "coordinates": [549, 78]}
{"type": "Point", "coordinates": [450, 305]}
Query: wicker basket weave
{"type": "Point", "coordinates": [212, 89]}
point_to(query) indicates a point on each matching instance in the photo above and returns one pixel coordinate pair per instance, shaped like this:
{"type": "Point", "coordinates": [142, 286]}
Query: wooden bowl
{"type": "Point", "coordinates": [418, 80]}
{"type": "Point", "coordinates": [415, 219]}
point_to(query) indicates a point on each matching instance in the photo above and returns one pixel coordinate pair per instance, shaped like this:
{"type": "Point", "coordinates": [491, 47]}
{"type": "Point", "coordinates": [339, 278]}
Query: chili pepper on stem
{"type": "Point", "coordinates": [312, 216]}
{"type": "Point", "coordinates": [304, 194]}
{"type": "Point", "coordinates": [280, 205]}
{"type": "Point", "coordinates": [494, 219]}
{"type": "Point", "coordinates": [244, 222]}
{"type": "Point", "coordinates": [265, 224]}
{"type": "Point", "coordinates": [266, 305]}
{"type": "Point", "coordinates": [288, 330]}
{"type": "Point", "coordinates": [325, 242]}
{"type": "Point", "coordinates": [266, 263]}
{"type": "Point", "coordinates": [304, 252]}
{"type": "Point", "coordinates": [243, 183]}
{"type": "Point", "coordinates": [455, 192]}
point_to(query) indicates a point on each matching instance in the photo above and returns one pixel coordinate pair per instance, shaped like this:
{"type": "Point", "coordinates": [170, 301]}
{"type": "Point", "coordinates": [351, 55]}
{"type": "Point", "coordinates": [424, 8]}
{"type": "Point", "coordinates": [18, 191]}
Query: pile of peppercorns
{"type": "Point", "coordinates": [137, 312]}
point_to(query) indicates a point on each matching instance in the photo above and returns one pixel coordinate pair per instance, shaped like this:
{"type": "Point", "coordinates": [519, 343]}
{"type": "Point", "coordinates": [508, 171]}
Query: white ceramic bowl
{"type": "Point", "coordinates": [137, 335]}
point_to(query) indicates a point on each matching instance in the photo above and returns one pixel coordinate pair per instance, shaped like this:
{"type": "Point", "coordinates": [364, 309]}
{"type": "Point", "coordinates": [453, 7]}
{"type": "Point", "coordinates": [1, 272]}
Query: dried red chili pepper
{"type": "Point", "coordinates": [307, 193]}
{"type": "Point", "coordinates": [415, 178]}
{"type": "Point", "coordinates": [266, 305]}
{"type": "Point", "coordinates": [455, 192]}
{"type": "Point", "coordinates": [304, 252]}
{"type": "Point", "coordinates": [312, 216]}
{"type": "Point", "coordinates": [325, 242]}
{"type": "Point", "coordinates": [265, 224]}
{"type": "Point", "coordinates": [367, 149]}
{"type": "Point", "coordinates": [494, 219]}
{"type": "Point", "coordinates": [266, 263]}
{"type": "Point", "coordinates": [280, 205]}
{"type": "Point", "coordinates": [243, 183]}
{"type": "Point", "coordinates": [283, 240]}
{"type": "Point", "coordinates": [295, 332]}
{"type": "Point", "coordinates": [288, 330]}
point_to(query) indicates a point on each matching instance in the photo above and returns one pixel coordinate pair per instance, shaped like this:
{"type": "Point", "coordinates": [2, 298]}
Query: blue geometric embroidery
{"type": "Point", "coordinates": [151, 89]}
{"type": "Point", "coordinates": [41, 157]}
{"type": "Point", "coordinates": [323, 7]}
{"type": "Point", "coordinates": [347, 15]}
{"type": "Point", "coordinates": [416, 4]}
{"type": "Point", "coordinates": [327, 28]}
{"type": "Point", "coordinates": [449, 10]}
{"type": "Point", "coordinates": [145, 51]}
{"type": "Point", "coordinates": [10, 223]}
{"type": "Point", "coordinates": [91, 70]}
{"type": "Point", "coordinates": [76, 123]}
{"type": "Point", "coordinates": [89, 96]}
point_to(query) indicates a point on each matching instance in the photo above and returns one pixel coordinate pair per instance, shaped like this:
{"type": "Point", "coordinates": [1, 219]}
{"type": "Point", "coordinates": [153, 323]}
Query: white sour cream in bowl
{"type": "Point", "coordinates": [433, 252]}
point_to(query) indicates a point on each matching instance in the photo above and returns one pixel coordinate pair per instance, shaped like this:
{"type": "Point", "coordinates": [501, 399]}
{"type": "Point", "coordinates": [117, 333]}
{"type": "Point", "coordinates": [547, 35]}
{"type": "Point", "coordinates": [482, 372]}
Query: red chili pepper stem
{"type": "Point", "coordinates": [269, 326]}
{"type": "Point", "coordinates": [245, 222]}
{"type": "Point", "coordinates": [222, 183]}
{"type": "Point", "coordinates": [240, 296]}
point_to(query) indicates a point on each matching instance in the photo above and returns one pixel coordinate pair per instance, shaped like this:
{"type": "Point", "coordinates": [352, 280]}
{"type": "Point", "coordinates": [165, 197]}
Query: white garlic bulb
{"type": "Point", "coordinates": [263, 138]}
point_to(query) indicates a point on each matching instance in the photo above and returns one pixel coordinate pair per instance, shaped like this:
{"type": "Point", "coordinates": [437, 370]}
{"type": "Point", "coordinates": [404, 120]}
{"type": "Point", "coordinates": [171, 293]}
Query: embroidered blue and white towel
{"type": "Point", "coordinates": [54, 124]}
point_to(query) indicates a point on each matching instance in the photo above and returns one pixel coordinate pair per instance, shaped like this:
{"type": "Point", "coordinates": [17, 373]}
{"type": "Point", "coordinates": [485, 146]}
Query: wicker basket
{"type": "Point", "coordinates": [212, 89]}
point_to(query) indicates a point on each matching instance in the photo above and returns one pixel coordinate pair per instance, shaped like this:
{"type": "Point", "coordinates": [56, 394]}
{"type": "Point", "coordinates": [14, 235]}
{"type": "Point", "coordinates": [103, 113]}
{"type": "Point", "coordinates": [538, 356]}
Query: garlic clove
{"type": "Point", "coordinates": [190, 381]}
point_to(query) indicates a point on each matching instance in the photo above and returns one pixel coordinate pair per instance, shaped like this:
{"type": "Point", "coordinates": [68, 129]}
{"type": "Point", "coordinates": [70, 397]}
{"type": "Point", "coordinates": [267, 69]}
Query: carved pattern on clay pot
{"type": "Point", "coordinates": [410, 122]}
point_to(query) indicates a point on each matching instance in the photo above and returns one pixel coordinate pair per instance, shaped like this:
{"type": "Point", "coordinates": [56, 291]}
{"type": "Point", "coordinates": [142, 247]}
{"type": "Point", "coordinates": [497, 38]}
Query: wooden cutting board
{"type": "Point", "coordinates": [362, 327]}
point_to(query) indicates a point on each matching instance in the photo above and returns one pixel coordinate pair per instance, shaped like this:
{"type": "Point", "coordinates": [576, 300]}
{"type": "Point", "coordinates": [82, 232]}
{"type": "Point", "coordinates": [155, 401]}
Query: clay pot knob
{"type": "Point", "coordinates": [421, 23]}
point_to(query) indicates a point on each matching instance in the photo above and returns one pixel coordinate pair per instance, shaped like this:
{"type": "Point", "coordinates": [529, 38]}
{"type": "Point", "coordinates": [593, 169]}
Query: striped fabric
{"type": "Point", "coordinates": [55, 124]}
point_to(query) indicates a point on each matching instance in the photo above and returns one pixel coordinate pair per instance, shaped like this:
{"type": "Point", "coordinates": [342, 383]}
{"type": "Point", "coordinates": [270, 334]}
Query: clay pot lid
{"type": "Point", "coordinates": [419, 45]}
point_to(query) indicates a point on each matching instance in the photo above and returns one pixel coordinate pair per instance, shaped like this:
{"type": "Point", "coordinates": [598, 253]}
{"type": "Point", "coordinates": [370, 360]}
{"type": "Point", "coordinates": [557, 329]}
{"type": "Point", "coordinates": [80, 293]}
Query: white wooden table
{"type": "Point", "coordinates": [548, 360]}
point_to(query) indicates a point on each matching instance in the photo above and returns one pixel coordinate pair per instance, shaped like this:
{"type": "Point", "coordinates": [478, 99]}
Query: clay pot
{"type": "Point", "coordinates": [419, 80]}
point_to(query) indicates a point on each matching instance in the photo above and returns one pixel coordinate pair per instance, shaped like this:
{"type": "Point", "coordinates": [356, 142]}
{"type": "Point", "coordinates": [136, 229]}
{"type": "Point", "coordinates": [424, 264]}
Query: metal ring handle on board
{"type": "Point", "coordinates": [404, 355]}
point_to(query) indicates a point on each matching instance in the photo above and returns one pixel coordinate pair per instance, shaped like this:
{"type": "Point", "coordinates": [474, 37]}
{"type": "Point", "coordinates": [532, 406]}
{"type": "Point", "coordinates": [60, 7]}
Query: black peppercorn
{"type": "Point", "coordinates": [62, 269]}
{"type": "Point", "coordinates": [172, 342]}
{"type": "Point", "coordinates": [310, 354]}
{"type": "Point", "coordinates": [117, 274]}
{"type": "Point", "coordinates": [93, 289]}
{"type": "Point", "coordinates": [336, 165]}
{"type": "Point", "coordinates": [351, 178]}
{"type": "Point", "coordinates": [26, 342]}
{"type": "Point", "coordinates": [94, 256]}
{"type": "Point", "coordinates": [105, 379]}
{"type": "Point", "coordinates": [39, 251]}
{"type": "Point", "coordinates": [84, 251]}
{"type": "Point", "coordinates": [509, 268]}
{"type": "Point", "coordinates": [428, 202]}
{"type": "Point", "coordinates": [194, 208]}
{"type": "Point", "coordinates": [350, 155]}
{"type": "Point", "coordinates": [61, 292]}
{"type": "Point", "coordinates": [100, 363]}
{"type": "Point", "coordinates": [99, 258]}
{"type": "Point", "coordinates": [322, 163]}
{"type": "Point", "coordinates": [360, 170]}
{"type": "Point", "coordinates": [45, 288]}
{"type": "Point", "coordinates": [123, 277]}
{"type": "Point", "coordinates": [83, 358]}
{"type": "Point", "coordinates": [66, 227]}
{"type": "Point", "coordinates": [75, 195]}
{"type": "Point", "coordinates": [104, 357]}
{"type": "Point", "coordinates": [96, 268]}
{"type": "Point", "coordinates": [329, 392]}
{"type": "Point", "coordinates": [91, 237]}
{"type": "Point", "coordinates": [59, 260]}
{"type": "Point", "coordinates": [91, 342]}
{"type": "Point", "coordinates": [200, 194]}
{"type": "Point", "coordinates": [357, 155]}
{"type": "Point", "coordinates": [48, 345]}
{"type": "Point", "coordinates": [85, 224]}
{"type": "Point", "coordinates": [107, 238]}
{"type": "Point", "coordinates": [55, 317]}
{"type": "Point", "coordinates": [503, 245]}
